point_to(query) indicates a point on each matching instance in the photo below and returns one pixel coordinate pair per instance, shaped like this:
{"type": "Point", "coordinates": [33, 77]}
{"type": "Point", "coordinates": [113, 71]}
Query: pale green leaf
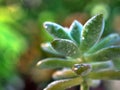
{"type": "Point", "coordinates": [102, 66]}
{"type": "Point", "coordinates": [116, 63]}
{"type": "Point", "coordinates": [64, 84]}
{"type": "Point", "coordinates": [56, 30]}
{"type": "Point", "coordinates": [54, 63]}
{"type": "Point", "coordinates": [65, 47]}
{"type": "Point", "coordinates": [109, 53]}
{"type": "Point", "coordinates": [75, 31]}
{"type": "Point", "coordinates": [105, 75]}
{"type": "Point", "coordinates": [64, 74]}
{"type": "Point", "coordinates": [91, 33]}
{"type": "Point", "coordinates": [48, 48]}
{"type": "Point", "coordinates": [105, 42]}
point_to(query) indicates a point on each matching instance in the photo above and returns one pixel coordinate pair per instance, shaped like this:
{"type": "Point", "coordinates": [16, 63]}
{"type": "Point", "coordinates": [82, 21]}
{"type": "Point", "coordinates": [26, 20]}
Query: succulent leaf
{"type": "Point", "coordinates": [64, 84]}
{"type": "Point", "coordinates": [83, 50]}
{"type": "Point", "coordinates": [75, 31]}
{"type": "Point", "coordinates": [105, 42]}
{"type": "Point", "coordinates": [47, 47]}
{"type": "Point", "coordinates": [65, 47]}
{"type": "Point", "coordinates": [54, 63]}
{"type": "Point", "coordinates": [105, 75]}
{"type": "Point", "coordinates": [116, 63]}
{"type": "Point", "coordinates": [56, 30]}
{"type": "Point", "coordinates": [102, 66]}
{"type": "Point", "coordinates": [64, 74]}
{"type": "Point", "coordinates": [91, 32]}
{"type": "Point", "coordinates": [109, 53]}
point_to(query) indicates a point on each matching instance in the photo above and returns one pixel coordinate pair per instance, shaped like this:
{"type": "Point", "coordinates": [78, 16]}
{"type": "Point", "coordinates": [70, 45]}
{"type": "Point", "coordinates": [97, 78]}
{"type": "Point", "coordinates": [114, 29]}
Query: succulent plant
{"type": "Point", "coordinates": [82, 54]}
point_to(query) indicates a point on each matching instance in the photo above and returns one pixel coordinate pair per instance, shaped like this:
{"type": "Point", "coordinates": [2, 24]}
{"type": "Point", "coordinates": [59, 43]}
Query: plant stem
{"type": "Point", "coordinates": [84, 85]}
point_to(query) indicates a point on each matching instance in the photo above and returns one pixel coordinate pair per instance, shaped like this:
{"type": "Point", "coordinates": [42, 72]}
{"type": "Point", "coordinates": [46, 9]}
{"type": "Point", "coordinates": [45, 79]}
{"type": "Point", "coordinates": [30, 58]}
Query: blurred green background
{"type": "Point", "coordinates": [22, 32]}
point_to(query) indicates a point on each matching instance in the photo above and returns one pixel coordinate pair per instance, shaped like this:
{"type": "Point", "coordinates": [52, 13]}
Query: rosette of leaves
{"type": "Point", "coordinates": [85, 56]}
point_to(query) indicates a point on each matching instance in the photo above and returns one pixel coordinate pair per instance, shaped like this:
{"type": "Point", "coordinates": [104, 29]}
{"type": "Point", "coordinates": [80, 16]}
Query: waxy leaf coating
{"type": "Point", "coordinates": [91, 33]}
{"type": "Point", "coordinates": [111, 39]}
{"type": "Point", "coordinates": [48, 48]}
{"type": "Point", "coordinates": [116, 63]}
{"type": "Point", "coordinates": [64, 84]}
{"type": "Point", "coordinates": [105, 54]}
{"type": "Point", "coordinates": [54, 63]}
{"type": "Point", "coordinates": [65, 47]}
{"type": "Point", "coordinates": [56, 30]}
{"type": "Point", "coordinates": [105, 75]}
{"type": "Point", "coordinates": [83, 50]}
{"type": "Point", "coordinates": [64, 74]}
{"type": "Point", "coordinates": [75, 31]}
{"type": "Point", "coordinates": [102, 66]}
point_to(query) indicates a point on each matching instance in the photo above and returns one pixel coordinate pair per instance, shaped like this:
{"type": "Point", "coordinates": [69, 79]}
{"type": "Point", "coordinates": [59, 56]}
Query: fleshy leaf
{"type": "Point", "coordinates": [54, 63]}
{"type": "Point", "coordinates": [102, 66]}
{"type": "Point", "coordinates": [48, 48]}
{"type": "Point", "coordinates": [105, 75]}
{"type": "Point", "coordinates": [56, 30]}
{"type": "Point", "coordinates": [75, 31]}
{"type": "Point", "coordinates": [105, 42]}
{"type": "Point", "coordinates": [96, 67]}
{"type": "Point", "coordinates": [116, 63]}
{"type": "Point", "coordinates": [64, 74]}
{"type": "Point", "coordinates": [64, 84]}
{"type": "Point", "coordinates": [91, 32]}
{"type": "Point", "coordinates": [65, 47]}
{"type": "Point", "coordinates": [109, 53]}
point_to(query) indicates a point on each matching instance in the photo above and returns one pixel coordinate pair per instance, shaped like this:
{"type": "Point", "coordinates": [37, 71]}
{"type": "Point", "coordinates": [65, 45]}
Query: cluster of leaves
{"type": "Point", "coordinates": [84, 54]}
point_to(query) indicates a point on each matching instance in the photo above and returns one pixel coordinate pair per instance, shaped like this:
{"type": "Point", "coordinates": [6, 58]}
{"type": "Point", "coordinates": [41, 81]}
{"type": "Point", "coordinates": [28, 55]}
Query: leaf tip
{"type": "Point", "coordinates": [76, 22]}
{"type": "Point", "coordinates": [38, 64]}
{"type": "Point", "coordinates": [46, 24]}
{"type": "Point", "coordinates": [100, 15]}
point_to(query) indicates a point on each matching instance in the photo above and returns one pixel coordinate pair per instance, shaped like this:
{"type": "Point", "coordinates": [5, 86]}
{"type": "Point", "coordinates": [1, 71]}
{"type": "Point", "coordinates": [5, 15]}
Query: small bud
{"type": "Point", "coordinates": [82, 69]}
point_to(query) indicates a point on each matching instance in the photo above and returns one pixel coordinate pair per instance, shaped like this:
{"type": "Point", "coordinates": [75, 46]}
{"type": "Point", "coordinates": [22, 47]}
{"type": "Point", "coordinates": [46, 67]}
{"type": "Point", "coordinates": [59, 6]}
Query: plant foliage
{"type": "Point", "coordinates": [84, 54]}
